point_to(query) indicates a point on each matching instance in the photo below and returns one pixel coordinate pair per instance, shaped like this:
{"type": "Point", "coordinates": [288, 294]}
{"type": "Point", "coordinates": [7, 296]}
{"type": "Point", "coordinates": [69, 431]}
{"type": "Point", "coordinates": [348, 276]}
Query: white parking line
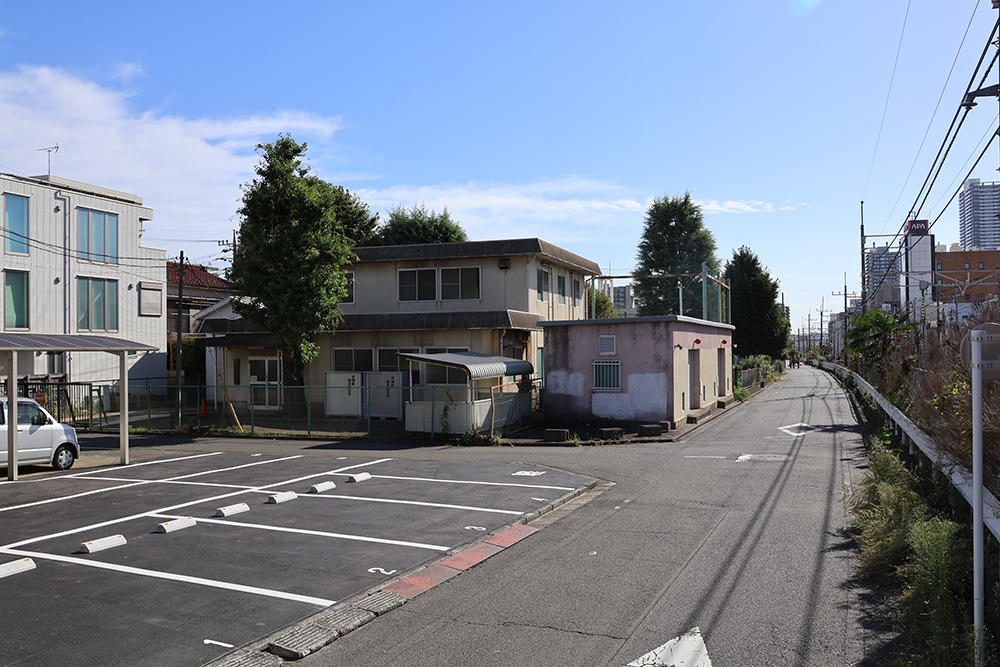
{"type": "Point", "coordinates": [466, 481]}
{"type": "Point", "coordinates": [173, 507]}
{"type": "Point", "coordinates": [414, 502]}
{"type": "Point", "coordinates": [139, 465]}
{"type": "Point", "coordinates": [315, 533]}
{"type": "Point", "coordinates": [199, 581]}
{"type": "Point", "coordinates": [138, 483]}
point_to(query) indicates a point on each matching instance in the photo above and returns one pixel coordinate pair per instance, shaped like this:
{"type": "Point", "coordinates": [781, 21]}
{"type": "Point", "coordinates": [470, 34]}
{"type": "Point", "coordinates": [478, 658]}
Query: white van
{"type": "Point", "coordinates": [40, 438]}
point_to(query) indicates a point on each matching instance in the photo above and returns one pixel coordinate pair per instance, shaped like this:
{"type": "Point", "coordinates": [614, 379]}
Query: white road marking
{"type": "Point", "coordinates": [294, 597]}
{"type": "Point", "coordinates": [466, 481]}
{"type": "Point", "coordinates": [139, 465]}
{"type": "Point", "coordinates": [137, 483]}
{"type": "Point", "coordinates": [798, 429]}
{"type": "Point", "coordinates": [744, 457]}
{"type": "Point", "coordinates": [215, 643]}
{"type": "Point", "coordinates": [172, 508]}
{"type": "Point", "coordinates": [687, 650]}
{"type": "Point", "coordinates": [418, 503]}
{"type": "Point", "coordinates": [316, 533]}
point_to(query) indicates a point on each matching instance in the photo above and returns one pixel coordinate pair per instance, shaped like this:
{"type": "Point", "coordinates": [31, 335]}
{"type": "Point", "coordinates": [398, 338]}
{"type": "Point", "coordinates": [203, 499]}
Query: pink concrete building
{"type": "Point", "coordinates": [637, 369]}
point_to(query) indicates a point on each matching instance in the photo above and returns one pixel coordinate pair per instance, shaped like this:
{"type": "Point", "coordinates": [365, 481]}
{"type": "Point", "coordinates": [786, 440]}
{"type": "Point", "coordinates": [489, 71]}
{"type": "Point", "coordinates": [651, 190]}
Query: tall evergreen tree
{"type": "Point", "coordinates": [407, 226]}
{"type": "Point", "coordinates": [674, 241]}
{"type": "Point", "coordinates": [761, 325]}
{"type": "Point", "coordinates": [287, 265]}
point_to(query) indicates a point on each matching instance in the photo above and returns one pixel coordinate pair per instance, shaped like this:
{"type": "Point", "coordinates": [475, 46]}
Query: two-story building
{"type": "Point", "coordinates": [485, 297]}
{"type": "Point", "coordinates": [73, 263]}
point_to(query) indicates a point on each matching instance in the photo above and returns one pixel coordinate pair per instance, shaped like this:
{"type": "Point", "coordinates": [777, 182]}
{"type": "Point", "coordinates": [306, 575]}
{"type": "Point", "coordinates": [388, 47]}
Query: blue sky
{"type": "Point", "coordinates": [560, 120]}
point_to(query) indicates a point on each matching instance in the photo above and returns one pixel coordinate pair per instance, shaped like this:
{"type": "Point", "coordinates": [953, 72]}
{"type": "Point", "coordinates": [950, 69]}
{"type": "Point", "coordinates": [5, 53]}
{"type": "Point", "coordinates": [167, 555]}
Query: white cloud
{"type": "Point", "coordinates": [187, 170]}
{"type": "Point", "coordinates": [125, 72]}
{"type": "Point", "coordinates": [713, 206]}
{"type": "Point", "coordinates": [190, 170]}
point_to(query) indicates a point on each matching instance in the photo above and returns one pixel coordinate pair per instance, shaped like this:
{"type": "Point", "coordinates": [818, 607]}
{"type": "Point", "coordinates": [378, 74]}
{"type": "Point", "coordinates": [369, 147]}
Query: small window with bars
{"type": "Point", "coordinates": [607, 376]}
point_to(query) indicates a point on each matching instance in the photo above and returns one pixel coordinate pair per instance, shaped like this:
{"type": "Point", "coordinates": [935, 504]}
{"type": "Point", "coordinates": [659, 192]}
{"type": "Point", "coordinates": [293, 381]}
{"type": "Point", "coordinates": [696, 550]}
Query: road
{"type": "Point", "coordinates": [735, 540]}
{"type": "Point", "coordinates": [739, 531]}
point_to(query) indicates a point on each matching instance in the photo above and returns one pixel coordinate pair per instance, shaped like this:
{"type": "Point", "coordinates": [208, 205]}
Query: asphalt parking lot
{"type": "Point", "coordinates": [105, 565]}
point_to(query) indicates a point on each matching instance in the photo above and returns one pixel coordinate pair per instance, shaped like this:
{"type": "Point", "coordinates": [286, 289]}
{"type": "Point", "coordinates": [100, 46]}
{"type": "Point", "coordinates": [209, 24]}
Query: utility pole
{"type": "Point", "coordinates": [180, 310]}
{"type": "Point", "coordinates": [864, 297]}
{"type": "Point", "coordinates": [844, 320]}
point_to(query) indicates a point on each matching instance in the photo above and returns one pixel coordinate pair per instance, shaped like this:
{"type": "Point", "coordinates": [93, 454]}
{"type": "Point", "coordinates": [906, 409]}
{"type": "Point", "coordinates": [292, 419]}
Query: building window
{"type": "Point", "coordinates": [966, 265]}
{"type": "Point", "coordinates": [417, 285]}
{"type": "Point", "coordinates": [607, 375]}
{"type": "Point", "coordinates": [389, 361]}
{"type": "Point", "coordinates": [606, 345]}
{"type": "Point", "coordinates": [460, 283]}
{"type": "Point", "coordinates": [97, 304]}
{"type": "Point", "coordinates": [97, 236]}
{"type": "Point", "coordinates": [939, 266]}
{"type": "Point", "coordinates": [561, 289]}
{"type": "Point", "coordinates": [150, 299]}
{"type": "Point", "coordinates": [968, 297]}
{"type": "Point", "coordinates": [577, 292]}
{"type": "Point", "coordinates": [353, 360]}
{"type": "Point", "coordinates": [436, 374]}
{"type": "Point", "coordinates": [15, 224]}
{"type": "Point", "coordinates": [350, 288]}
{"type": "Point", "coordinates": [981, 265]}
{"type": "Point", "coordinates": [542, 285]}
{"type": "Point", "coordinates": [15, 299]}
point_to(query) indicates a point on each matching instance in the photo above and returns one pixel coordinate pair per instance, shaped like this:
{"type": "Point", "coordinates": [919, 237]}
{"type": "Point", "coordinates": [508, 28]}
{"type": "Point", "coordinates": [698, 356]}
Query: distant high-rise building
{"type": "Point", "coordinates": [882, 268]}
{"type": "Point", "coordinates": [979, 215]}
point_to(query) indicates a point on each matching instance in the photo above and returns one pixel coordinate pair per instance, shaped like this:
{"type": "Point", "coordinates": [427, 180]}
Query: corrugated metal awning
{"type": "Point", "coordinates": [477, 366]}
{"type": "Point", "coordinates": [24, 342]}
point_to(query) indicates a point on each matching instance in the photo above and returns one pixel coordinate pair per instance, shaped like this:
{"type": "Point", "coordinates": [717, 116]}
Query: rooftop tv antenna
{"type": "Point", "coordinates": [50, 150]}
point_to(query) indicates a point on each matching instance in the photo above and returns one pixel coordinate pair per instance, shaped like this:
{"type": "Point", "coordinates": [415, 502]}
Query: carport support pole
{"type": "Point", "coordinates": [11, 420]}
{"type": "Point", "coordinates": [123, 405]}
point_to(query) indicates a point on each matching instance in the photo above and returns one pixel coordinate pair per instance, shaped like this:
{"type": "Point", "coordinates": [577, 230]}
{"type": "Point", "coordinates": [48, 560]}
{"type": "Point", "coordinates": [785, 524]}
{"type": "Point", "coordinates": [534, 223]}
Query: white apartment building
{"type": "Point", "coordinates": [978, 211]}
{"type": "Point", "coordinates": [72, 263]}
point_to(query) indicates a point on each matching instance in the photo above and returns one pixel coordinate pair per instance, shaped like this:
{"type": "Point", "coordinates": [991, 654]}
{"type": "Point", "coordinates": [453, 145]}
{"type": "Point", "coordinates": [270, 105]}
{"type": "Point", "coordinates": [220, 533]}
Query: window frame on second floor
{"type": "Point", "coordinates": [349, 298]}
{"type": "Point", "coordinates": [91, 293]}
{"type": "Point", "coordinates": [543, 280]}
{"type": "Point", "coordinates": [469, 284]}
{"type": "Point", "coordinates": [420, 285]}
{"type": "Point", "coordinates": [88, 234]}
{"type": "Point", "coordinates": [16, 231]}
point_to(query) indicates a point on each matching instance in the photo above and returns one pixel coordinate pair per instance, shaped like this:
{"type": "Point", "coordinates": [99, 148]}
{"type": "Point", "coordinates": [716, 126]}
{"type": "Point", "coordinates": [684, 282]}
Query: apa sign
{"type": "Point", "coordinates": [918, 227]}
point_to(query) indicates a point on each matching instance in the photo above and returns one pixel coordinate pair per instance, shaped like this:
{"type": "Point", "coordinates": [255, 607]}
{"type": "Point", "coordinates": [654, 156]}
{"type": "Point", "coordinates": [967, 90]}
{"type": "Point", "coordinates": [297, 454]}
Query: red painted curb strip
{"type": "Point", "coordinates": [432, 575]}
{"type": "Point", "coordinates": [512, 535]}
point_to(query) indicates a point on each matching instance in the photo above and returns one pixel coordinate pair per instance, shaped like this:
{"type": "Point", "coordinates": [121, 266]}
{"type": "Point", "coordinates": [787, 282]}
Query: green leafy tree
{"type": "Point", "coordinates": [761, 326]}
{"type": "Point", "coordinates": [875, 339]}
{"type": "Point", "coordinates": [354, 218]}
{"type": "Point", "coordinates": [287, 265]}
{"type": "Point", "coordinates": [418, 225]}
{"type": "Point", "coordinates": [674, 241]}
{"type": "Point", "coordinates": [605, 308]}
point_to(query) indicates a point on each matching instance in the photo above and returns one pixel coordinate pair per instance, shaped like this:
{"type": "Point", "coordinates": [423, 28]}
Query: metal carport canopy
{"type": "Point", "coordinates": [477, 366]}
{"type": "Point", "coordinates": [13, 343]}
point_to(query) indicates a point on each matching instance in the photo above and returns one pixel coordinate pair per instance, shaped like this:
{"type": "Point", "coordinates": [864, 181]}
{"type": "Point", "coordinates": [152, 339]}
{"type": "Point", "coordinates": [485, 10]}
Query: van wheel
{"type": "Point", "coordinates": [63, 460]}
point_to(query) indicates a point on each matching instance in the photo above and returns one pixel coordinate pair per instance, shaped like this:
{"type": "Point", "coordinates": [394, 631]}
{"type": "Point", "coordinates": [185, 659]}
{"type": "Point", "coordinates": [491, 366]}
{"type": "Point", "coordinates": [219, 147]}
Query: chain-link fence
{"type": "Point", "coordinates": [269, 409]}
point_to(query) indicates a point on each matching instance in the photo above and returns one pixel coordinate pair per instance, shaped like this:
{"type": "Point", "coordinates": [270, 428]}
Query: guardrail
{"type": "Point", "coordinates": [960, 477]}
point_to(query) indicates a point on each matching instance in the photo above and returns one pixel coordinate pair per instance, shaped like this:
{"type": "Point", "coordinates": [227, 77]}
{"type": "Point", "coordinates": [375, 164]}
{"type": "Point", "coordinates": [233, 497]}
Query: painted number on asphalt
{"type": "Point", "coordinates": [528, 473]}
{"type": "Point", "coordinates": [378, 570]}
{"type": "Point", "coordinates": [474, 528]}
